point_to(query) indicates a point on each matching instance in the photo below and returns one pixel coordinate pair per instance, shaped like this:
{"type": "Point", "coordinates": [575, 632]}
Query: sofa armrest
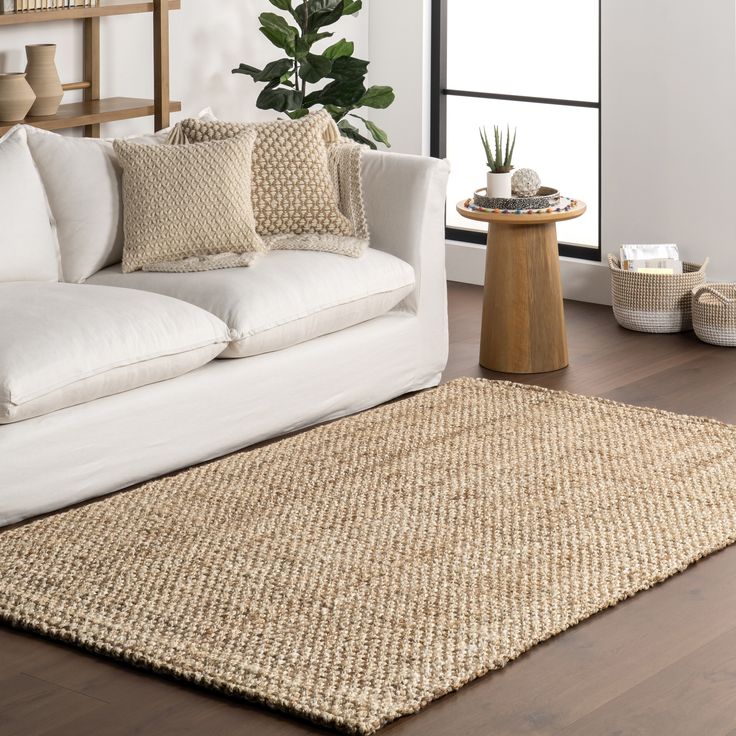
{"type": "Point", "coordinates": [405, 201]}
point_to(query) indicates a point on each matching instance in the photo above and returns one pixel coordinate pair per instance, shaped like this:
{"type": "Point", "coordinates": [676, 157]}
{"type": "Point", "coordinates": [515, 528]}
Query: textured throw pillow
{"type": "Point", "coordinates": [184, 204]}
{"type": "Point", "coordinates": [306, 186]}
{"type": "Point", "coordinates": [28, 247]}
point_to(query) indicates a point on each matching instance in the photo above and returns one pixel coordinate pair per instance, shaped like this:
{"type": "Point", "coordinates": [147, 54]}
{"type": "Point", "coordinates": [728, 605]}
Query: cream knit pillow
{"type": "Point", "coordinates": [188, 208]}
{"type": "Point", "coordinates": [296, 200]}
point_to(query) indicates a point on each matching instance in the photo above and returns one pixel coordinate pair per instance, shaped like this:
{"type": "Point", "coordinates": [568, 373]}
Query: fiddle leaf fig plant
{"type": "Point", "coordinates": [339, 76]}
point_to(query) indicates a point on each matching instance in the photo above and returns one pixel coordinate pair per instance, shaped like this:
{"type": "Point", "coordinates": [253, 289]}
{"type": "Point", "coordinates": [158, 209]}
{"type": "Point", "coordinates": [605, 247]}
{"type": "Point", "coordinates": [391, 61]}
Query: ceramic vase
{"type": "Point", "coordinates": [16, 97]}
{"type": "Point", "coordinates": [44, 79]}
{"type": "Point", "coordinates": [499, 185]}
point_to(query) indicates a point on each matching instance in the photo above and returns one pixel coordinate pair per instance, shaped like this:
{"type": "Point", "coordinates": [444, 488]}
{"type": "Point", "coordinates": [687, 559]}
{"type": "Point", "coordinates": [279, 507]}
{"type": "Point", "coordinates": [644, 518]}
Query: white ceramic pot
{"type": "Point", "coordinates": [499, 185]}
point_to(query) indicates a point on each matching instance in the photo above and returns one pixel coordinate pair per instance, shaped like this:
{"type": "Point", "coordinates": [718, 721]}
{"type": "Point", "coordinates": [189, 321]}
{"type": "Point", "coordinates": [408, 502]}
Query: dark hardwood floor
{"type": "Point", "coordinates": [660, 664]}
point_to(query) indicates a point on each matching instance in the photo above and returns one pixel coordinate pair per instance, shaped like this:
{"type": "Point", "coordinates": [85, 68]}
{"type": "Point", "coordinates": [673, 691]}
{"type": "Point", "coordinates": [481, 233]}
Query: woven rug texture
{"type": "Point", "coordinates": [354, 573]}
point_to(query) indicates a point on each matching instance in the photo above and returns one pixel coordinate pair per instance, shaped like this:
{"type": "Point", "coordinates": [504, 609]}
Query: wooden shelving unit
{"type": "Point", "coordinates": [94, 110]}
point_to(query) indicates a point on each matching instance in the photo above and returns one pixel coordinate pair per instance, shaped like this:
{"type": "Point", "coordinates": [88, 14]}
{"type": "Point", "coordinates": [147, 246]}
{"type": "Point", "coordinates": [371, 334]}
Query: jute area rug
{"type": "Point", "coordinates": [356, 572]}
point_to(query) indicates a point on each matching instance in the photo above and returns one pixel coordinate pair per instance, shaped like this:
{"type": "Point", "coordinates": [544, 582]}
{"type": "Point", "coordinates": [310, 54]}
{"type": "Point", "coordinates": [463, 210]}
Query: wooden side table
{"type": "Point", "coordinates": [523, 318]}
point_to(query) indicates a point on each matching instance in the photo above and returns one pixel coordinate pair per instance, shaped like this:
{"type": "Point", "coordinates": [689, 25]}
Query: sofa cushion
{"type": "Point", "coordinates": [28, 247]}
{"type": "Point", "coordinates": [66, 344]}
{"type": "Point", "coordinates": [289, 297]}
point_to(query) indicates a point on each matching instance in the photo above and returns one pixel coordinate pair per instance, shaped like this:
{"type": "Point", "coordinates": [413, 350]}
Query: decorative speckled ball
{"type": "Point", "coordinates": [525, 183]}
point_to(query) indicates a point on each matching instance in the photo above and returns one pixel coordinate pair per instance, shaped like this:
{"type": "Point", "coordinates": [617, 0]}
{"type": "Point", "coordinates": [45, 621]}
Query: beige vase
{"type": "Point", "coordinates": [44, 79]}
{"type": "Point", "coordinates": [16, 97]}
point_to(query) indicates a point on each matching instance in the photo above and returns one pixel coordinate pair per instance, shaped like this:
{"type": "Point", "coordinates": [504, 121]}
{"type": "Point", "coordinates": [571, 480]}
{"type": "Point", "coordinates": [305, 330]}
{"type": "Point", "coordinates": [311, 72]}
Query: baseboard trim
{"type": "Point", "coordinates": [582, 281]}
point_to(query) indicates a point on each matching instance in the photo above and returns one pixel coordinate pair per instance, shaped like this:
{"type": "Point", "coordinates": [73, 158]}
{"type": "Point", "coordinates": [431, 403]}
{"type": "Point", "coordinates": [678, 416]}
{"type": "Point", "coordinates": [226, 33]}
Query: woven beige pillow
{"type": "Point", "coordinates": [188, 208]}
{"type": "Point", "coordinates": [296, 195]}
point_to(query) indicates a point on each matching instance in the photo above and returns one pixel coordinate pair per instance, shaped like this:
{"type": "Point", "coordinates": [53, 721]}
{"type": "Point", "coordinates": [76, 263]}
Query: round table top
{"type": "Point", "coordinates": [511, 218]}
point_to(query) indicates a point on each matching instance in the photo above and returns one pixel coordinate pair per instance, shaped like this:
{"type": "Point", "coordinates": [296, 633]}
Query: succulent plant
{"type": "Point", "coordinates": [499, 162]}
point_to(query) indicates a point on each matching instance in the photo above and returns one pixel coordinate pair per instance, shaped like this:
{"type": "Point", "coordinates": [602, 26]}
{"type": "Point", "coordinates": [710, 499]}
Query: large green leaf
{"type": "Point", "coordinates": [350, 131]}
{"type": "Point", "coordinates": [347, 67]}
{"type": "Point", "coordinates": [304, 43]}
{"type": "Point", "coordinates": [342, 48]}
{"type": "Point", "coordinates": [319, 13]}
{"type": "Point", "coordinates": [279, 32]}
{"type": "Point", "coordinates": [378, 134]}
{"type": "Point", "coordinates": [341, 93]}
{"type": "Point", "coordinates": [282, 4]}
{"type": "Point", "coordinates": [250, 71]}
{"type": "Point", "coordinates": [314, 67]}
{"type": "Point", "coordinates": [352, 6]}
{"type": "Point", "coordinates": [312, 38]}
{"type": "Point", "coordinates": [338, 113]}
{"type": "Point", "coordinates": [296, 114]}
{"type": "Point", "coordinates": [279, 98]}
{"type": "Point", "coordinates": [377, 97]}
{"type": "Point", "coordinates": [276, 70]}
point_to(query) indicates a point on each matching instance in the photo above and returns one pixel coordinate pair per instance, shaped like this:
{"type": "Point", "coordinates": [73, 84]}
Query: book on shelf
{"type": "Point", "coordinates": [22, 6]}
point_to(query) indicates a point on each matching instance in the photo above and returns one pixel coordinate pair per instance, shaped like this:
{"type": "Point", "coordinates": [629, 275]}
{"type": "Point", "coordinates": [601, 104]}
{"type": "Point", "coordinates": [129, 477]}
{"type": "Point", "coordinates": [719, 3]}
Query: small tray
{"type": "Point", "coordinates": [544, 198]}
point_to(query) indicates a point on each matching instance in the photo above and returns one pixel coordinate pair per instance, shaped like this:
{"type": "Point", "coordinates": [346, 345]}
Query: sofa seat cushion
{"type": "Point", "coordinates": [66, 344]}
{"type": "Point", "coordinates": [289, 297]}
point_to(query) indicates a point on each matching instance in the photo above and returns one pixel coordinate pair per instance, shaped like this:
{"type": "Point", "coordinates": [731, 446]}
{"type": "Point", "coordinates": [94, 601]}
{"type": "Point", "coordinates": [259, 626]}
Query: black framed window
{"type": "Point", "coordinates": [536, 67]}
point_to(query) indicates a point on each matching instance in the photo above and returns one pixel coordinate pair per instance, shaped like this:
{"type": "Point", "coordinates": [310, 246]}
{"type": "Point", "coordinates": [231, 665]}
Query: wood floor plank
{"type": "Point", "coordinates": [672, 646]}
{"type": "Point", "coordinates": [29, 706]}
{"type": "Point", "coordinates": [694, 695]}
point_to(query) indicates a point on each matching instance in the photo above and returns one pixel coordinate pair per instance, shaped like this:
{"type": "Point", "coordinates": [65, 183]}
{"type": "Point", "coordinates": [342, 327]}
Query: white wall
{"type": "Point", "coordinates": [400, 57]}
{"type": "Point", "coordinates": [669, 118]}
{"type": "Point", "coordinates": [208, 39]}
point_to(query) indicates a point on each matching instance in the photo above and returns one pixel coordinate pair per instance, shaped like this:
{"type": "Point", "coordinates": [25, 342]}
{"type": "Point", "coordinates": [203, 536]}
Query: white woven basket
{"type": "Point", "coordinates": [650, 302]}
{"type": "Point", "coordinates": [714, 314]}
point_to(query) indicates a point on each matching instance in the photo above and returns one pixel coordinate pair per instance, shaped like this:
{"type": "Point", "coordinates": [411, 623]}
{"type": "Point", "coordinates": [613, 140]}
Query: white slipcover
{"type": "Point", "coordinates": [105, 445]}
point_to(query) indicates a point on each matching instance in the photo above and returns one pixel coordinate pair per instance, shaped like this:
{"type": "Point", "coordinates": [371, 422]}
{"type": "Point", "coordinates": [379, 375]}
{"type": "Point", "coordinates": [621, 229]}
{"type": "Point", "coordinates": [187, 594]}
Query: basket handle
{"type": "Point", "coordinates": [703, 268]}
{"type": "Point", "coordinates": [713, 292]}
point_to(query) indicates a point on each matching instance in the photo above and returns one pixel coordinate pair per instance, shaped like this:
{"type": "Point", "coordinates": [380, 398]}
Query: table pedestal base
{"type": "Point", "coordinates": [523, 318]}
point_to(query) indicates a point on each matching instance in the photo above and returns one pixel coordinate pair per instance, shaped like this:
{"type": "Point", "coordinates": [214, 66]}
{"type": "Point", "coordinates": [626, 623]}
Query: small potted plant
{"type": "Point", "coordinates": [499, 159]}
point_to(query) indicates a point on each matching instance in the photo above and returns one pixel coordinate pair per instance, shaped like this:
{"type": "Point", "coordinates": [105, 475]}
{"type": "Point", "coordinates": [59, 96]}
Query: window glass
{"type": "Point", "coordinates": [533, 48]}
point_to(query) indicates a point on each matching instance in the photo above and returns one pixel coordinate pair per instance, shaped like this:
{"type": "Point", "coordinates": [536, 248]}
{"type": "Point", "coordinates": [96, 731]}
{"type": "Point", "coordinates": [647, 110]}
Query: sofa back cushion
{"type": "Point", "coordinates": [28, 247]}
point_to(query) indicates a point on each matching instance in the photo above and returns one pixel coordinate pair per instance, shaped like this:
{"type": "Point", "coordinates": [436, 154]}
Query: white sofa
{"type": "Point", "coordinates": [384, 315]}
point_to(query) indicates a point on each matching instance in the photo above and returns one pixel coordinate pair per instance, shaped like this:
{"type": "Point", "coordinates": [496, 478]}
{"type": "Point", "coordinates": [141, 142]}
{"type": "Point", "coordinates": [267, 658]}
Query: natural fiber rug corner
{"type": "Point", "coordinates": [354, 573]}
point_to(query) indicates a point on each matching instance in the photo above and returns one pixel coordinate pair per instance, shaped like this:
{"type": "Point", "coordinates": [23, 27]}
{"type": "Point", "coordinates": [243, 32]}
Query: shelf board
{"type": "Point", "coordinates": [94, 112]}
{"type": "Point", "coordinates": [108, 7]}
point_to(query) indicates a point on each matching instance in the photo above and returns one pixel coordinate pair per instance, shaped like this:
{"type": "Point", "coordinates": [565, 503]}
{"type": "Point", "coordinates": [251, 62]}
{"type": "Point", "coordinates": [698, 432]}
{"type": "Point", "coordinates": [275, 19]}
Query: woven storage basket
{"type": "Point", "coordinates": [714, 314]}
{"type": "Point", "coordinates": [650, 302]}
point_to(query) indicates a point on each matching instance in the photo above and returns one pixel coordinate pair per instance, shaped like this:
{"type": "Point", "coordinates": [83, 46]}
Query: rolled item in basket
{"type": "Point", "coordinates": [651, 258]}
